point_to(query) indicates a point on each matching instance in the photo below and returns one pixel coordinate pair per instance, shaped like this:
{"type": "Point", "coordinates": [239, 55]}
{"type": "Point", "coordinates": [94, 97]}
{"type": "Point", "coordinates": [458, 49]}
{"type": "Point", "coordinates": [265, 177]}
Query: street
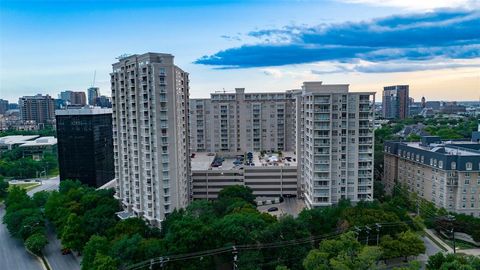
{"type": "Point", "coordinates": [13, 255]}
{"type": "Point", "coordinates": [47, 185]}
{"type": "Point", "coordinates": [53, 253]}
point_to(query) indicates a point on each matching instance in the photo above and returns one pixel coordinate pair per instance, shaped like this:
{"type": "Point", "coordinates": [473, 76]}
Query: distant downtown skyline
{"type": "Point", "coordinates": [433, 46]}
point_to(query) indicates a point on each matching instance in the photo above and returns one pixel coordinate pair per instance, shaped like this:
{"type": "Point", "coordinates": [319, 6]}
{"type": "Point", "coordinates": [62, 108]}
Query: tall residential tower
{"type": "Point", "coordinates": [40, 109]}
{"type": "Point", "coordinates": [335, 143]}
{"type": "Point", "coordinates": [396, 102]}
{"type": "Point", "coordinates": [150, 131]}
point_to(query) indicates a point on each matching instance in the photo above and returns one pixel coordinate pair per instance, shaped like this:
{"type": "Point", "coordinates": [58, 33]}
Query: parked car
{"type": "Point", "coordinates": [66, 251]}
{"type": "Point", "coordinates": [272, 209]}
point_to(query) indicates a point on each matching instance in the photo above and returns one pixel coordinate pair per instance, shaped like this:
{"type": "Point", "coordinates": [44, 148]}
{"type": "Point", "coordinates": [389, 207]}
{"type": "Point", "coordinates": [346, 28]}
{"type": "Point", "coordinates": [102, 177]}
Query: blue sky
{"type": "Point", "coordinates": [50, 46]}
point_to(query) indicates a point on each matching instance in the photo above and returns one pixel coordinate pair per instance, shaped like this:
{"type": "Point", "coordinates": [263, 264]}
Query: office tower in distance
{"type": "Point", "coordinates": [150, 129]}
{"type": "Point", "coordinates": [74, 98]}
{"type": "Point", "coordinates": [395, 102]}
{"type": "Point", "coordinates": [235, 123]}
{"type": "Point", "coordinates": [40, 109]}
{"type": "Point", "coordinates": [103, 102]}
{"type": "Point", "coordinates": [85, 145]}
{"type": "Point", "coordinates": [335, 143]}
{"type": "Point", "coordinates": [3, 106]}
{"type": "Point", "coordinates": [93, 94]}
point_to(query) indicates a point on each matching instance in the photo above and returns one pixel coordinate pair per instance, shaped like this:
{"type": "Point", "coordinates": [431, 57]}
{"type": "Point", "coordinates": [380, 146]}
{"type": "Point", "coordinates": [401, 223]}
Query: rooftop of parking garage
{"type": "Point", "coordinates": [204, 160]}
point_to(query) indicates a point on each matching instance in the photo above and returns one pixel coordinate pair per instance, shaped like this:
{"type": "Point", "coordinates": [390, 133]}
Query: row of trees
{"type": "Point", "coordinates": [13, 164]}
{"type": "Point", "coordinates": [47, 131]}
{"type": "Point", "coordinates": [321, 238]}
{"type": "Point", "coordinates": [24, 218]}
{"type": "Point", "coordinates": [85, 221]}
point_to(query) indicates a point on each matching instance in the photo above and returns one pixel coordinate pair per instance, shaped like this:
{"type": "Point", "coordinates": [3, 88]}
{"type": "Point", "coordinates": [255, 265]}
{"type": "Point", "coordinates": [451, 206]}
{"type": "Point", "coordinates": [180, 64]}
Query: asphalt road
{"type": "Point", "coordinates": [13, 255]}
{"type": "Point", "coordinates": [47, 184]}
{"type": "Point", "coordinates": [53, 253]}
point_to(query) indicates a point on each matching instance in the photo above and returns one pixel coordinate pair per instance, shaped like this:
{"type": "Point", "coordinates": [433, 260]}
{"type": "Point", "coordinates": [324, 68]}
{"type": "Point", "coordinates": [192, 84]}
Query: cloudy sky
{"type": "Point", "coordinates": [262, 45]}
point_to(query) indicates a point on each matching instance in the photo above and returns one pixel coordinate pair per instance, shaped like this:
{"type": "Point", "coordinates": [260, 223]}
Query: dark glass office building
{"type": "Point", "coordinates": [85, 145]}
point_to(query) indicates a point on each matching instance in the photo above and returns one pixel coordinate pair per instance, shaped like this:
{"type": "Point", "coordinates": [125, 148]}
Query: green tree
{"type": "Point", "coordinates": [104, 262]}
{"type": "Point", "coordinates": [36, 242]}
{"type": "Point", "coordinates": [435, 261]}
{"type": "Point", "coordinates": [405, 244]}
{"type": "Point", "coordinates": [345, 253]}
{"type": "Point", "coordinates": [410, 244]}
{"type": "Point", "coordinates": [96, 244]}
{"type": "Point", "coordinates": [412, 137]}
{"type": "Point", "coordinates": [127, 249]}
{"type": "Point", "coordinates": [316, 260]}
{"type": "Point", "coordinates": [14, 220]}
{"type": "Point", "coordinates": [3, 187]}
{"type": "Point", "coordinates": [413, 265]}
{"type": "Point", "coordinates": [40, 198]}
{"type": "Point", "coordinates": [72, 234]}
{"type": "Point", "coordinates": [287, 228]}
{"type": "Point", "coordinates": [237, 191]}
{"type": "Point", "coordinates": [32, 225]}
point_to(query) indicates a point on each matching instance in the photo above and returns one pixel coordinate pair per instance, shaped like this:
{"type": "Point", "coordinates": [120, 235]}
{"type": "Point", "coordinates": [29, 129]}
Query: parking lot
{"type": "Point", "coordinates": [290, 206]}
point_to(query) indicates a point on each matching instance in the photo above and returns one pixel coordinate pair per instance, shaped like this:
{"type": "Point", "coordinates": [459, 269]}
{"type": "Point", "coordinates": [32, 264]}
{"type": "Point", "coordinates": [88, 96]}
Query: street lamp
{"type": "Point", "coordinates": [451, 219]}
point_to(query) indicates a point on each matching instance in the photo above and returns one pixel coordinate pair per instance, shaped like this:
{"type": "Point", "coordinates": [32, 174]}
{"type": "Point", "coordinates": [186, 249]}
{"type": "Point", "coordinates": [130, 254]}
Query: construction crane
{"type": "Point", "coordinates": [223, 91]}
{"type": "Point", "coordinates": [94, 76]}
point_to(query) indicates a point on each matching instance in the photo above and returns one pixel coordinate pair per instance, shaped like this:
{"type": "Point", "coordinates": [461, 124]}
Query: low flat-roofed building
{"type": "Point", "coordinates": [12, 141]}
{"type": "Point", "coordinates": [38, 147]}
{"type": "Point", "coordinates": [269, 176]}
{"type": "Point", "coordinates": [446, 173]}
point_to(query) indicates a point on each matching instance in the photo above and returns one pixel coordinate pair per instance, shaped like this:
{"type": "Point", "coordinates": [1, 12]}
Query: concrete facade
{"type": "Point", "coordinates": [266, 179]}
{"type": "Point", "coordinates": [396, 102]}
{"type": "Point", "coordinates": [335, 143]}
{"type": "Point", "coordinates": [40, 109]}
{"type": "Point", "coordinates": [150, 125]}
{"type": "Point", "coordinates": [235, 123]}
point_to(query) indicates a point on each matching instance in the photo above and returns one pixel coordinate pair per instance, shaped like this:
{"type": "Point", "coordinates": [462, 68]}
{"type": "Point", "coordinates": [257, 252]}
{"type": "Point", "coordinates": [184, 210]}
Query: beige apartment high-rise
{"type": "Point", "coordinates": [335, 143]}
{"type": "Point", "coordinates": [235, 123]}
{"type": "Point", "coordinates": [150, 131]}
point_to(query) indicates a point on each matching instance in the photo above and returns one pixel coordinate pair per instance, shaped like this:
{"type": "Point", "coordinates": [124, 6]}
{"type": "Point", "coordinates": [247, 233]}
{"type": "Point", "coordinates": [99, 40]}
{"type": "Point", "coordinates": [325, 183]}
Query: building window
{"type": "Point", "coordinates": [468, 166]}
{"type": "Point", "coordinates": [453, 165]}
{"type": "Point", "coordinates": [440, 164]}
{"type": "Point", "coordinates": [431, 162]}
{"type": "Point", "coordinates": [467, 181]}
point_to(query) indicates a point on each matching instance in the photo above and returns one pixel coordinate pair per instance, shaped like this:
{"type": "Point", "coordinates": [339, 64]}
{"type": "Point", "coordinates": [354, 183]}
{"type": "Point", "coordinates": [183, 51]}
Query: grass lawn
{"type": "Point", "coordinates": [26, 186]}
{"type": "Point", "coordinates": [460, 244]}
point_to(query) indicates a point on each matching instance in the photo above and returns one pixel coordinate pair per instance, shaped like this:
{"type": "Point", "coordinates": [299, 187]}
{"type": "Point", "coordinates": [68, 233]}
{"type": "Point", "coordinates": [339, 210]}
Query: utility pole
{"type": "Point", "coordinates": [452, 231]}
{"type": "Point", "coordinates": [368, 233]}
{"type": "Point", "coordinates": [357, 231]}
{"type": "Point", "coordinates": [235, 258]}
{"type": "Point", "coordinates": [418, 208]}
{"type": "Point", "coordinates": [378, 226]}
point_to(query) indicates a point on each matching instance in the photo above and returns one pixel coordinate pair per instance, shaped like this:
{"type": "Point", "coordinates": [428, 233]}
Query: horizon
{"type": "Point", "coordinates": [51, 46]}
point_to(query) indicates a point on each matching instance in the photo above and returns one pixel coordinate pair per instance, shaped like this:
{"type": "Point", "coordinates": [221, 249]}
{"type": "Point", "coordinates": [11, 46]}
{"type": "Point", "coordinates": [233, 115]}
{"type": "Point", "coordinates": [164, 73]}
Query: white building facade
{"type": "Point", "coordinates": [150, 130]}
{"type": "Point", "coordinates": [334, 144]}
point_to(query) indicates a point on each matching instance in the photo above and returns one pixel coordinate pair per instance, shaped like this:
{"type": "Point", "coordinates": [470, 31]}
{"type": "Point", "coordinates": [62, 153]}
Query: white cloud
{"type": "Point", "coordinates": [420, 4]}
{"type": "Point", "coordinates": [396, 66]}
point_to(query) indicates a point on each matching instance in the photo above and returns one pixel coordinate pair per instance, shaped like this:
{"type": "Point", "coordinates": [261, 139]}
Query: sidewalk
{"type": "Point", "coordinates": [438, 240]}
